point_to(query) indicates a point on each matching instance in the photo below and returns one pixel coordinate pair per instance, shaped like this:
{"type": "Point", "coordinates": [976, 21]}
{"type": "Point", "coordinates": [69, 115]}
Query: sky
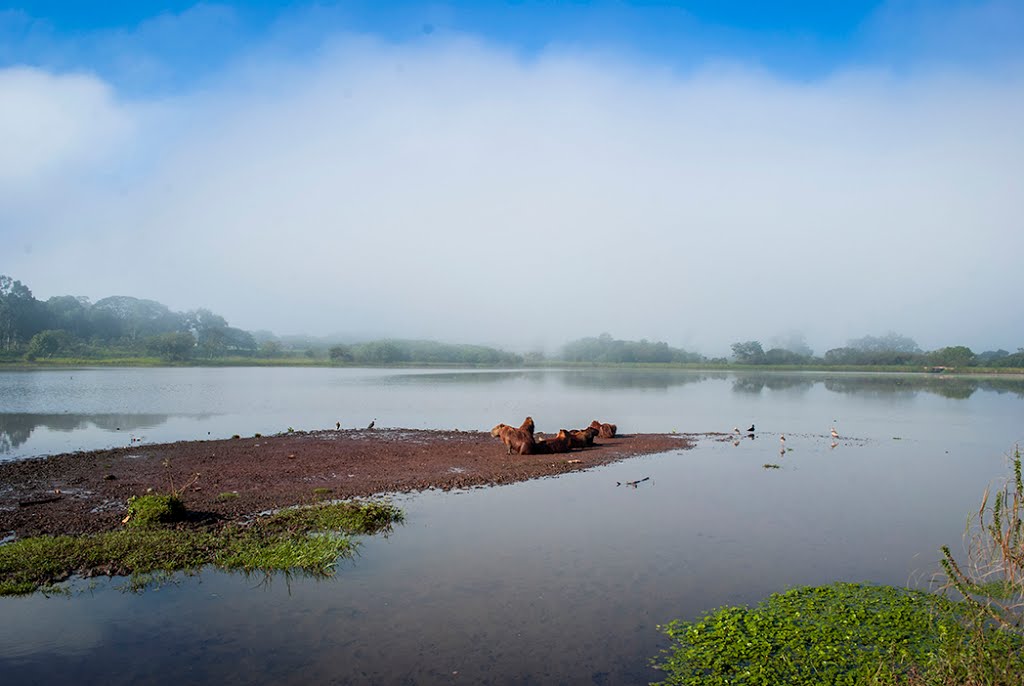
{"type": "Point", "coordinates": [525, 173]}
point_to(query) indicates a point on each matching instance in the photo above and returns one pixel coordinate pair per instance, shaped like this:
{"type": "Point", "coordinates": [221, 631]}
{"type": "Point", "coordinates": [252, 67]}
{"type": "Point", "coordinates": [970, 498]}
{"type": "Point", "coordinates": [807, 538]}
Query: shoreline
{"type": "Point", "coordinates": [224, 481]}
{"type": "Point", "coordinates": [306, 363]}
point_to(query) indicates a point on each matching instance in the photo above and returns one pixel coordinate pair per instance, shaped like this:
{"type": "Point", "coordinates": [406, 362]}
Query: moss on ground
{"type": "Point", "coordinates": [309, 540]}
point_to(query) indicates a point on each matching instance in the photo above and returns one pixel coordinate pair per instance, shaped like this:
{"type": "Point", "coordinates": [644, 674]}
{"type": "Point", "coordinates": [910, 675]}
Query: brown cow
{"type": "Point", "coordinates": [604, 430]}
{"type": "Point", "coordinates": [581, 438]}
{"type": "Point", "coordinates": [562, 443]}
{"type": "Point", "coordinates": [519, 440]}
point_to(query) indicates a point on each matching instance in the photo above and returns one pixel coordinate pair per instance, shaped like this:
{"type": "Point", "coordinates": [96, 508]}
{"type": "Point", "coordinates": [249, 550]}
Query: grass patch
{"type": "Point", "coordinates": [154, 509]}
{"type": "Point", "coordinates": [309, 540]}
{"type": "Point", "coordinates": [843, 634]}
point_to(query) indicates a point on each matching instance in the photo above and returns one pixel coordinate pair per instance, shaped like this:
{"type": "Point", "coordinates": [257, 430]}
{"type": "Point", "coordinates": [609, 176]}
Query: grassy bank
{"type": "Point", "coordinates": [242, 361]}
{"type": "Point", "coordinates": [309, 540]}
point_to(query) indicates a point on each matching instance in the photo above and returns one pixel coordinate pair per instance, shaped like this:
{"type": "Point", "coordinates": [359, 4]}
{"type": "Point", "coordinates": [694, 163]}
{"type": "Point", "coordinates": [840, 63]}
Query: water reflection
{"type": "Point", "coordinates": [957, 388]}
{"type": "Point", "coordinates": [16, 429]}
{"type": "Point", "coordinates": [749, 383]}
{"type": "Point", "coordinates": [597, 378]}
{"type": "Point", "coordinates": [633, 378]}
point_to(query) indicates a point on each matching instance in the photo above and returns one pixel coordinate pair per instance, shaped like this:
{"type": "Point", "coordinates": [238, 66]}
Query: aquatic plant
{"type": "Point", "coordinates": [308, 539]}
{"type": "Point", "coordinates": [836, 634]}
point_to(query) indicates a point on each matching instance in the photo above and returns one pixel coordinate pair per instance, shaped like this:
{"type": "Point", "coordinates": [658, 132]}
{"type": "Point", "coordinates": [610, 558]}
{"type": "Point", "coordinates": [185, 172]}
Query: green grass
{"type": "Point", "coordinates": [309, 540]}
{"type": "Point", "coordinates": [841, 634]}
{"type": "Point", "coordinates": [154, 509]}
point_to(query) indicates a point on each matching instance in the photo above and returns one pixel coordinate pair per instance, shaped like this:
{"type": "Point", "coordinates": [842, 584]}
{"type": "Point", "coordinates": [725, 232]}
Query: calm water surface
{"type": "Point", "coordinates": [554, 581]}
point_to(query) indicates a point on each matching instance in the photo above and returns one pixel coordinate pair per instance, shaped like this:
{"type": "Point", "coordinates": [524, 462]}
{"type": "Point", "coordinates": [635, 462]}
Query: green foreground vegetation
{"type": "Point", "coordinates": [308, 540]}
{"type": "Point", "coordinates": [841, 634]}
{"type": "Point", "coordinates": [856, 634]}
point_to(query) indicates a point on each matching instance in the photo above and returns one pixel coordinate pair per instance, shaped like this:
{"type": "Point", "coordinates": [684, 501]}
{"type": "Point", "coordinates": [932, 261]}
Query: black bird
{"type": "Point", "coordinates": [372, 423]}
{"type": "Point", "coordinates": [751, 429]}
{"type": "Point", "coordinates": [337, 425]}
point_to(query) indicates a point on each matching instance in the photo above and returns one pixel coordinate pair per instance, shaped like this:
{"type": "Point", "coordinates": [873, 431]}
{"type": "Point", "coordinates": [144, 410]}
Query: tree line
{"type": "Point", "coordinates": [122, 326]}
{"type": "Point", "coordinates": [888, 350]}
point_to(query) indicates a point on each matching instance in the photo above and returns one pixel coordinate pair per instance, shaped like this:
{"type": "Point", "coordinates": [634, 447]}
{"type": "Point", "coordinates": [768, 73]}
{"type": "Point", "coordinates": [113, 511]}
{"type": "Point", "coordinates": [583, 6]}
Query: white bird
{"type": "Point", "coordinates": [835, 434]}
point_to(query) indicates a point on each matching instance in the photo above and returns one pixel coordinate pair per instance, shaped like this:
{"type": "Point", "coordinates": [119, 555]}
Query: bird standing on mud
{"type": "Point", "coordinates": [337, 426]}
{"type": "Point", "coordinates": [372, 423]}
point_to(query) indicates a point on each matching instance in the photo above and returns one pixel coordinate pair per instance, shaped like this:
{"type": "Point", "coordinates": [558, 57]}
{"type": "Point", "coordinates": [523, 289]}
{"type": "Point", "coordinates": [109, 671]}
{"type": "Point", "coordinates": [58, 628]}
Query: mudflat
{"type": "Point", "coordinates": [226, 480]}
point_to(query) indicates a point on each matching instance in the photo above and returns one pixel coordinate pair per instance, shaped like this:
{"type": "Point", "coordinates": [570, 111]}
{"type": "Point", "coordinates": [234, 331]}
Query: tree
{"type": "Point", "coordinates": [749, 352]}
{"type": "Point", "coordinates": [70, 314]}
{"type": "Point", "coordinates": [49, 343]}
{"type": "Point", "coordinates": [794, 342]}
{"type": "Point", "coordinates": [784, 356]}
{"type": "Point", "coordinates": [890, 342]}
{"type": "Point", "coordinates": [20, 313]}
{"type": "Point", "coordinates": [340, 353]}
{"type": "Point", "coordinates": [270, 349]}
{"type": "Point", "coordinates": [954, 356]}
{"type": "Point", "coordinates": [174, 347]}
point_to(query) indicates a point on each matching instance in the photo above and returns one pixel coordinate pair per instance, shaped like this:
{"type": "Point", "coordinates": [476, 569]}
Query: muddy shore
{"type": "Point", "coordinates": [224, 480]}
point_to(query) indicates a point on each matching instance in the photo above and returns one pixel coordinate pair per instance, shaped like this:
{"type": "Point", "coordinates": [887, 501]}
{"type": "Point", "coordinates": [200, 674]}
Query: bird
{"type": "Point", "coordinates": [782, 439]}
{"type": "Point", "coordinates": [751, 429]}
{"type": "Point", "coordinates": [337, 425]}
{"type": "Point", "coordinates": [372, 423]}
{"type": "Point", "coordinates": [736, 429]}
{"type": "Point", "coordinates": [835, 434]}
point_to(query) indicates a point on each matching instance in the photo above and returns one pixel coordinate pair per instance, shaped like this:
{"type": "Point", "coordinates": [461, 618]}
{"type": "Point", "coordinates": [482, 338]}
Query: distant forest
{"type": "Point", "coordinates": [132, 329]}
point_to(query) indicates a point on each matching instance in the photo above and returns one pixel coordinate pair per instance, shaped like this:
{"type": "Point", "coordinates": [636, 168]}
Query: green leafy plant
{"type": "Point", "coordinates": [836, 634]}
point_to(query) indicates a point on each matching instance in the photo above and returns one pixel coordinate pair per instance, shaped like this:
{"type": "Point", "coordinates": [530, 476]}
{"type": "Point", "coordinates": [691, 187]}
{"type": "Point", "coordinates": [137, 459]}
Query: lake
{"type": "Point", "coordinates": [560, 580]}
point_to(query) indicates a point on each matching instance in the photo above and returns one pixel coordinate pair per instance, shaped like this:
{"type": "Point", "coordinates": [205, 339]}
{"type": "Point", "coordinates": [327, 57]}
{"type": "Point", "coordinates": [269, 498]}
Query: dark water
{"type": "Point", "coordinates": [556, 581]}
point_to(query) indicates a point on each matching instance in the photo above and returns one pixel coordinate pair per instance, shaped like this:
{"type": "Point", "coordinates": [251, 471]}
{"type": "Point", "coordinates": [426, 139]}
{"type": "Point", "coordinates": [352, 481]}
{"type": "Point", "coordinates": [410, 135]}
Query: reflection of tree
{"type": "Point", "coordinates": [578, 378]}
{"type": "Point", "coordinates": [755, 383]}
{"type": "Point", "coordinates": [488, 377]}
{"type": "Point", "coordinates": [1015, 386]}
{"type": "Point", "coordinates": [957, 388]}
{"type": "Point", "coordinates": [633, 378]}
{"type": "Point", "coordinates": [748, 384]}
{"type": "Point", "coordinates": [16, 429]}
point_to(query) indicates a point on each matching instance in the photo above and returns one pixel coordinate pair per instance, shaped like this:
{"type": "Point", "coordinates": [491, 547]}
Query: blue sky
{"type": "Point", "coordinates": [708, 171]}
{"type": "Point", "coordinates": [801, 39]}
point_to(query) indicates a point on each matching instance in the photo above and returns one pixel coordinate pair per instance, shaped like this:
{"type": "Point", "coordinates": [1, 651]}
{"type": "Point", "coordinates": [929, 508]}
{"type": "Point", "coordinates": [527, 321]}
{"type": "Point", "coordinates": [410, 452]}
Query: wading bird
{"type": "Point", "coordinates": [835, 434]}
{"type": "Point", "coordinates": [751, 429]}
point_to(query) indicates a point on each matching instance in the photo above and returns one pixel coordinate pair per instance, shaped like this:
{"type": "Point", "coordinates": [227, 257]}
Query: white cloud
{"type": "Point", "coordinates": [450, 189]}
{"type": "Point", "coordinates": [55, 124]}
